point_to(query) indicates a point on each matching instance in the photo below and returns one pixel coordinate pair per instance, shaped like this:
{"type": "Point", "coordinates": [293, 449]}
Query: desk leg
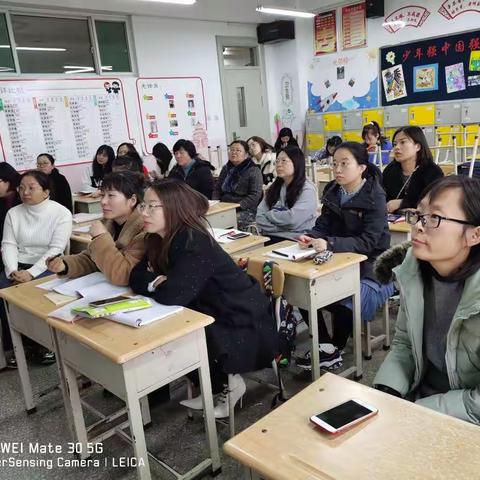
{"type": "Point", "coordinates": [3, 361]}
{"type": "Point", "coordinates": [74, 407]}
{"type": "Point", "coordinates": [250, 474]}
{"type": "Point", "coordinates": [22, 366]}
{"type": "Point", "coordinates": [207, 398]}
{"type": "Point", "coordinates": [145, 407]}
{"type": "Point", "coordinates": [313, 328]}
{"type": "Point", "coordinates": [357, 334]}
{"type": "Point", "coordinates": [136, 425]}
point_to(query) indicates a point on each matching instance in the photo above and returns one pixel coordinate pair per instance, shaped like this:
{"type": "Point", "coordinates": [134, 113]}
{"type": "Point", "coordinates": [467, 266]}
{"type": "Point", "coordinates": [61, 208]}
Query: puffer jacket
{"type": "Point", "coordinates": [404, 367]}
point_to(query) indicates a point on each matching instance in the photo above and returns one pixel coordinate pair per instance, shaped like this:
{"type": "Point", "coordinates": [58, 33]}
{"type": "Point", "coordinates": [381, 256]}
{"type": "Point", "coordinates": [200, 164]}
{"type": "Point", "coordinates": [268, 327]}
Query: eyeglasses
{"type": "Point", "coordinates": [430, 220]}
{"type": "Point", "coordinates": [150, 208]}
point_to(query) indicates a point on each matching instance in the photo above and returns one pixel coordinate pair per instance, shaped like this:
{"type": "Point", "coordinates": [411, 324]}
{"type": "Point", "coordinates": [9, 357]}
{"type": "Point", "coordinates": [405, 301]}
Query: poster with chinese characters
{"type": "Point", "coordinates": [434, 69]}
{"type": "Point", "coordinates": [354, 26]}
{"type": "Point", "coordinates": [67, 118]}
{"type": "Point", "coordinates": [325, 32]}
{"type": "Point", "coordinates": [172, 108]}
{"type": "Point", "coordinates": [409, 16]}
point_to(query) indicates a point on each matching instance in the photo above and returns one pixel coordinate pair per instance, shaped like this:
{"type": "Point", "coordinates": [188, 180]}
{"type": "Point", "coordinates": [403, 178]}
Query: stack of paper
{"type": "Point", "coordinates": [293, 253]}
{"type": "Point", "coordinates": [83, 229]}
{"type": "Point", "coordinates": [144, 317]}
{"type": "Point", "coordinates": [86, 217]}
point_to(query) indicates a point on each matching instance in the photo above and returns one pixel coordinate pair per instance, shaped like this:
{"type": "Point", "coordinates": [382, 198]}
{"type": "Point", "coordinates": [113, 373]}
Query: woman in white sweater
{"type": "Point", "coordinates": [35, 230]}
{"type": "Point", "coordinates": [289, 206]}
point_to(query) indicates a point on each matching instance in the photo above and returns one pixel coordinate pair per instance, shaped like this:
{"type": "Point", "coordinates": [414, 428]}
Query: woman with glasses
{"type": "Point", "coordinates": [118, 240]}
{"type": "Point", "coordinates": [435, 356]}
{"type": "Point", "coordinates": [185, 266]}
{"type": "Point", "coordinates": [289, 207]}
{"type": "Point", "coordinates": [35, 230]}
{"type": "Point", "coordinates": [411, 171]}
{"type": "Point", "coordinates": [59, 187]}
{"type": "Point", "coordinates": [240, 181]}
{"type": "Point", "coordinates": [353, 219]}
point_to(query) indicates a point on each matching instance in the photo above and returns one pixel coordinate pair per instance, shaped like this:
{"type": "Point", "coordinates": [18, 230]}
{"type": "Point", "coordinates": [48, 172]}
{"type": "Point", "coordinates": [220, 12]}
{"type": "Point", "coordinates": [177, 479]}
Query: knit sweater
{"type": "Point", "coordinates": [32, 233]}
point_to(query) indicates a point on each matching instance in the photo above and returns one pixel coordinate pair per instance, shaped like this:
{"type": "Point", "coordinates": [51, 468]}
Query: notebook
{"type": "Point", "coordinates": [86, 217]}
{"type": "Point", "coordinates": [221, 234]}
{"type": "Point", "coordinates": [293, 253]}
{"type": "Point", "coordinates": [123, 306]}
{"type": "Point", "coordinates": [145, 317]}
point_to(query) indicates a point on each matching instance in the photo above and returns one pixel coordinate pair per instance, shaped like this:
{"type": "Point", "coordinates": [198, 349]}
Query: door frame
{"type": "Point", "coordinates": [226, 41]}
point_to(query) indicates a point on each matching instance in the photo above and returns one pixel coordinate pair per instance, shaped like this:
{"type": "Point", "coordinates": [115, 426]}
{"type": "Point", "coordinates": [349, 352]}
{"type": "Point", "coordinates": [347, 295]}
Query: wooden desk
{"type": "Point", "coordinates": [447, 168]}
{"type": "Point", "coordinates": [403, 441]}
{"type": "Point", "coordinates": [399, 232]}
{"type": "Point", "coordinates": [223, 215]}
{"type": "Point", "coordinates": [86, 204]}
{"type": "Point", "coordinates": [129, 362]}
{"type": "Point", "coordinates": [244, 245]}
{"type": "Point", "coordinates": [79, 241]}
{"type": "Point", "coordinates": [311, 287]}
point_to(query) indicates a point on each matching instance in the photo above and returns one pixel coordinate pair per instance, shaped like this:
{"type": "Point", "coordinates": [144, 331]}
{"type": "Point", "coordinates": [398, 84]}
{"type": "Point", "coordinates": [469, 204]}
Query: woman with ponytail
{"type": "Point", "coordinates": [353, 219]}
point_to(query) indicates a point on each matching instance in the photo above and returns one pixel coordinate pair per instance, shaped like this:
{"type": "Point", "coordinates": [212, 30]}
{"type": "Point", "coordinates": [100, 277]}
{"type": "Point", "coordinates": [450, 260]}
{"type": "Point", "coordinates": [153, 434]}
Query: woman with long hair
{"type": "Point", "coordinates": [100, 166]}
{"type": "Point", "coordinates": [264, 156]}
{"type": "Point", "coordinates": [373, 137]}
{"type": "Point", "coordinates": [285, 138]}
{"type": "Point", "coordinates": [435, 355]}
{"type": "Point", "coordinates": [353, 219]}
{"type": "Point", "coordinates": [128, 149]}
{"type": "Point", "coordinates": [185, 266]}
{"type": "Point", "coordinates": [289, 207]}
{"type": "Point", "coordinates": [411, 171]}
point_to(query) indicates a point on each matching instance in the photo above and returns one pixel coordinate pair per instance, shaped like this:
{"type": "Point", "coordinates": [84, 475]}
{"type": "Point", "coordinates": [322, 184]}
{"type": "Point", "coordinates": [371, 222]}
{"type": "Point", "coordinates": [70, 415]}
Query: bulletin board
{"type": "Point", "coordinates": [68, 118]}
{"type": "Point", "coordinates": [442, 68]}
{"type": "Point", "coordinates": [172, 108]}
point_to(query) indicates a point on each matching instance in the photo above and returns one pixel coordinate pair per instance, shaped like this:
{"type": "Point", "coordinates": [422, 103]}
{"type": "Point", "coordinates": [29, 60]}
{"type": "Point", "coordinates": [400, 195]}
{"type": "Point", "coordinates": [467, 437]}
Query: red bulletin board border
{"type": "Point", "coordinates": [10, 80]}
{"type": "Point", "coordinates": [165, 78]}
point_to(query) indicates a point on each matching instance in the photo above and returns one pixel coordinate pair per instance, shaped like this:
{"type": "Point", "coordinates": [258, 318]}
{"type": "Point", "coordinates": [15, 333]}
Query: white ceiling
{"type": "Point", "coordinates": [221, 10]}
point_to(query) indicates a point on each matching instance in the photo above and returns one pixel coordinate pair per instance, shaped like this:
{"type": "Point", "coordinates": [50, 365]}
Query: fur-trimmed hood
{"type": "Point", "coordinates": [390, 259]}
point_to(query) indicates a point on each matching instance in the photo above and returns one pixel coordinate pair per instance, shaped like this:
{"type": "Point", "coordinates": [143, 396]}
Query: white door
{"type": "Point", "coordinates": [246, 110]}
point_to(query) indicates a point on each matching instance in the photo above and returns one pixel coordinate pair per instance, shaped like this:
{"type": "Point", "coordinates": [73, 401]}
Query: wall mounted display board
{"type": "Point", "coordinates": [68, 118]}
{"type": "Point", "coordinates": [442, 68]}
{"type": "Point", "coordinates": [172, 108]}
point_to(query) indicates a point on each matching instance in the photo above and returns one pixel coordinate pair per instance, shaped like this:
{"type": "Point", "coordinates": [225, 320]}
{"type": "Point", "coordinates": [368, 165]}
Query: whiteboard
{"type": "Point", "coordinates": [172, 108]}
{"type": "Point", "coordinates": [68, 118]}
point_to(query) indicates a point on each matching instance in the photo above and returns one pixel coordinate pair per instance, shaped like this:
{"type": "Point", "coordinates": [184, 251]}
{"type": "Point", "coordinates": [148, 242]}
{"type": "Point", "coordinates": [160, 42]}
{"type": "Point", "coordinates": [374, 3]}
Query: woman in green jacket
{"type": "Point", "coordinates": [435, 357]}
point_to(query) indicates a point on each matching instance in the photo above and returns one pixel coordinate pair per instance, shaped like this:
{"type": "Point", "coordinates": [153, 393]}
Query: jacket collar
{"type": "Point", "coordinates": [365, 199]}
{"type": "Point", "coordinates": [132, 227]}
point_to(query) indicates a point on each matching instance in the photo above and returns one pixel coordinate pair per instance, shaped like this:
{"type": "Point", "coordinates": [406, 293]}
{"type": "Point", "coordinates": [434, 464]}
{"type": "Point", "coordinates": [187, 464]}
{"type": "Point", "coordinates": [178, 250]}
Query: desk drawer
{"type": "Point", "coordinates": [166, 362]}
{"type": "Point", "coordinates": [226, 219]}
{"type": "Point", "coordinates": [31, 326]}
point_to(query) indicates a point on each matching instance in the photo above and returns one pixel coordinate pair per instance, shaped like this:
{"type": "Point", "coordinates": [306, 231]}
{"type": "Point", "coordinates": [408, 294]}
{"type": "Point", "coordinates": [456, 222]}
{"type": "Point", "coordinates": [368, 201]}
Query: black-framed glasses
{"type": "Point", "coordinates": [430, 220]}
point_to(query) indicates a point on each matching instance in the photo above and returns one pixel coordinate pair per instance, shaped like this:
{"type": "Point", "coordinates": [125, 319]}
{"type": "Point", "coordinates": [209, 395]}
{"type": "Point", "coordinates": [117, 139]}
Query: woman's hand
{"type": "Point", "coordinates": [393, 205]}
{"type": "Point", "coordinates": [319, 244]}
{"type": "Point", "coordinates": [56, 264]}
{"type": "Point", "coordinates": [97, 228]}
{"type": "Point", "coordinates": [21, 276]}
{"type": "Point", "coordinates": [304, 241]}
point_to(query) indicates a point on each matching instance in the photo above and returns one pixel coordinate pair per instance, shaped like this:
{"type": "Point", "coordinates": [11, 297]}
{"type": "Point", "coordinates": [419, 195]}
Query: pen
{"type": "Point", "coordinates": [228, 233]}
{"type": "Point", "coordinates": [280, 253]}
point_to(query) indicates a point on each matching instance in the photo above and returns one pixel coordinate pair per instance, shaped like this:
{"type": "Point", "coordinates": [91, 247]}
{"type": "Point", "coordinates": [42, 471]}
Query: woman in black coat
{"type": "Point", "coordinates": [59, 187]}
{"type": "Point", "coordinates": [411, 171]}
{"type": "Point", "coordinates": [185, 266]}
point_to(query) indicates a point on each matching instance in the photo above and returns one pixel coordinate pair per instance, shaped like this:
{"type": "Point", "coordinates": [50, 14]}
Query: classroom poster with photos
{"type": "Point", "coordinates": [172, 108]}
{"type": "Point", "coordinates": [430, 70]}
{"type": "Point", "coordinates": [68, 118]}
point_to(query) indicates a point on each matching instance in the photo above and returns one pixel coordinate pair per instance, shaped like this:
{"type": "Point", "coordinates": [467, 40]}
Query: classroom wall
{"type": "Point", "coordinates": [309, 68]}
{"type": "Point", "coordinates": [174, 47]}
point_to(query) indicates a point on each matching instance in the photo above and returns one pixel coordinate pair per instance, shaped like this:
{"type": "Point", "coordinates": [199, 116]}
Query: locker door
{"type": "Point", "coordinates": [448, 113]}
{"type": "Point", "coordinates": [352, 120]}
{"type": "Point", "coordinates": [352, 136]}
{"type": "Point", "coordinates": [374, 114]}
{"type": "Point", "coordinates": [421, 114]}
{"type": "Point", "coordinates": [471, 111]}
{"type": "Point", "coordinates": [332, 122]}
{"type": "Point", "coordinates": [396, 116]}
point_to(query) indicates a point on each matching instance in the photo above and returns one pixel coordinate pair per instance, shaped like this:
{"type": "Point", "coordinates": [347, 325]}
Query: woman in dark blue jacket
{"type": "Point", "coordinates": [353, 219]}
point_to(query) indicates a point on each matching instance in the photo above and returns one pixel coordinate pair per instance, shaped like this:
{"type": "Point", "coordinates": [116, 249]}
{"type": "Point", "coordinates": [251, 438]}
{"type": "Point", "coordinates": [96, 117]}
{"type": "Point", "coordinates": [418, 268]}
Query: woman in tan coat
{"type": "Point", "coordinates": [118, 240]}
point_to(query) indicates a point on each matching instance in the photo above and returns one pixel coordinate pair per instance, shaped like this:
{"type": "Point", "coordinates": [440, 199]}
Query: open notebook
{"type": "Point", "coordinates": [293, 253]}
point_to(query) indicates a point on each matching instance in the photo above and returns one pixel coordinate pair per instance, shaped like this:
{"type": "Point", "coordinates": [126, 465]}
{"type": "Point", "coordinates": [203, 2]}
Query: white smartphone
{"type": "Point", "coordinates": [343, 416]}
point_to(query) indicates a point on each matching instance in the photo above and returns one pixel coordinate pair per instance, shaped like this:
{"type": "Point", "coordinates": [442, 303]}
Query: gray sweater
{"type": "Point", "coordinates": [285, 222]}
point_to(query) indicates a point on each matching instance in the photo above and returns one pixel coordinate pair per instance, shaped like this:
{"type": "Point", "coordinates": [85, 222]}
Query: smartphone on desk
{"type": "Point", "coordinates": [236, 236]}
{"type": "Point", "coordinates": [109, 301]}
{"type": "Point", "coordinates": [344, 416]}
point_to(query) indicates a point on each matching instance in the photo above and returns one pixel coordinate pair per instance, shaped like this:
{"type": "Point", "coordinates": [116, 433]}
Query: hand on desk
{"type": "Point", "coordinates": [393, 205]}
{"type": "Point", "coordinates": [56, 264]}
{"type": "Point", "coordinates": [319, 244]}
{"type": "Point", "coordinates": [97, 228]}
{"type": "Point", "coordinates": [21, 276]}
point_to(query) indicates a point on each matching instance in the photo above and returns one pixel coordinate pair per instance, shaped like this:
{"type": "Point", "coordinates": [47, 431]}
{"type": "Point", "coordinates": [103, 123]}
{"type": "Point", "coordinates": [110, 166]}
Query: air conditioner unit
{"type": "Point", "coordinates": [276, 31]}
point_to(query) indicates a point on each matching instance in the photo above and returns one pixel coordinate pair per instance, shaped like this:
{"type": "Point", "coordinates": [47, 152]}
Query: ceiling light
{"type": "Point", "coordinates": [287, 13]}
{"type": "Point", "coordinates": [37, 49]}
{"type": "Point", "coordinates": [178, 2]}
